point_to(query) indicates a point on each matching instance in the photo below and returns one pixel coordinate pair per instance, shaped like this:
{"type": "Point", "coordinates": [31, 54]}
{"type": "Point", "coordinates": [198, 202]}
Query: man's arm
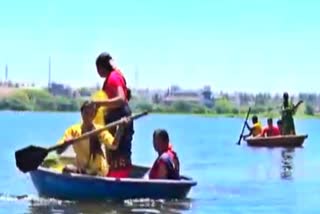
{"type": "Point", "coordinates": [112, 142]}
{"type": "Point", "coordinates": [68, 135]}
{"type": "Point", "coordinates": [247, 135]}
{"type": "Point", "coordinates": [115, 81]}
{"type": "Point", "coordinates": [295, 108]}
{"type": "Point", "coordinates": [162, 171]}
{"type": "Point", "coordinates": [247, 125]}
{"type": "Point", "coordinates": [115, 102]}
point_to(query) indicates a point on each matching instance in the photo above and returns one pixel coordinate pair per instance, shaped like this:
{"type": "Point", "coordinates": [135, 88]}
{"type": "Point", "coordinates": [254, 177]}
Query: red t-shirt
{"type": "Point", "coordinates": [273, 131]}
{"type": "Point", "coordinates": [112, 82]}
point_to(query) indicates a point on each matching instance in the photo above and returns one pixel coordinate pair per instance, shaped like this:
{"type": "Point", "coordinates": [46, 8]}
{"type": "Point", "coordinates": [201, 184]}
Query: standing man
{"type": "Point", "coordinates": [287, 112]}
{"type": "Point", "coordinates": [117, 107]}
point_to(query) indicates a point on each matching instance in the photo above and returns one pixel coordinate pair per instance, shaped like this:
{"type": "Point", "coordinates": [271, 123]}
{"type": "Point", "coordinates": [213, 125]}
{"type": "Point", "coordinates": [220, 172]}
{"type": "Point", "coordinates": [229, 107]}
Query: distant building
{"type": "Point", "coordinates": [187, 96]}
{"type": "Point", "coordinates": [202, 97]}
{"type": "Point", "coordinates": [61, 90]}
{"type": "Point", "coordinates": [24, 85]}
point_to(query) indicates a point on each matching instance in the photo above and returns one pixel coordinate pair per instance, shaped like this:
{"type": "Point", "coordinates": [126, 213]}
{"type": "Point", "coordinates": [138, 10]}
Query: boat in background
{"type": "Point", "coordinates": [277, 141]}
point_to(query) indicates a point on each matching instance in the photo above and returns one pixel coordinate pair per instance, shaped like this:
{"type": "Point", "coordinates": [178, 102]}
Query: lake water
{"type": "Point", "coordinates": [231, 178]}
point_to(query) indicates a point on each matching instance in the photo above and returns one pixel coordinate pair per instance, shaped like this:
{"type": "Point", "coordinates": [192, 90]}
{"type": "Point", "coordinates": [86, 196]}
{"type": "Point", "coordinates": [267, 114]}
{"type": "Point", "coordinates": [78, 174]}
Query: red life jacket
{"type": "Point", "coordinates": [171, 161]}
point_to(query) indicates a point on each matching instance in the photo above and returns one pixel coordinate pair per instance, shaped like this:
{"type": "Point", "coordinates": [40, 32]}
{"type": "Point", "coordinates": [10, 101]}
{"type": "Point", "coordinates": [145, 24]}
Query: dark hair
{"type": "Point", "coordinates": [162, 133]}
{"type": "Point", "coordinates": [279, 122]}
{"type": "Point", "coordinates": [103, 61]}
{"type": "Point", "coordinates": [270, 120]}
{"type": "Point", "coordinates": [285, 95]}
{"type": "Point", "coordinates": [85, 105]}
{"type": "Point", "coordinates": [129, 96]}
{"type": "Point", "coordinates": [254, 118]}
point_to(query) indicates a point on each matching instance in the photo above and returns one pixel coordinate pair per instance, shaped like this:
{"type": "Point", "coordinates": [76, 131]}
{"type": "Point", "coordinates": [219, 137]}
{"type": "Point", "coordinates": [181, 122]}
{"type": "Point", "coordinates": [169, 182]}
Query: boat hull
{"type": "Point", "coordinates": [83, 187]}
{"type": "Point", "coordinates": [277, 141]}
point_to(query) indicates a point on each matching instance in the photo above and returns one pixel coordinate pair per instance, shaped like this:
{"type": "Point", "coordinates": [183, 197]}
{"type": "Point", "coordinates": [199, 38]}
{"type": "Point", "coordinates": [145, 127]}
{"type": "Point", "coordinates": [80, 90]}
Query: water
{"type": "Point", "coordinates": [231, 179]}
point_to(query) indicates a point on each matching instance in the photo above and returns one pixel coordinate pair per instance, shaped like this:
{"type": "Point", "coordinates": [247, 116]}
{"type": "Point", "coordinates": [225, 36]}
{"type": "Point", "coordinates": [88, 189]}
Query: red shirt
{"type": "Point", "coordinates": [273, 131]}
{"type": "Point", "coordinates": [120, 173]}
{"type": "Point", "coordinates": [112, 82]}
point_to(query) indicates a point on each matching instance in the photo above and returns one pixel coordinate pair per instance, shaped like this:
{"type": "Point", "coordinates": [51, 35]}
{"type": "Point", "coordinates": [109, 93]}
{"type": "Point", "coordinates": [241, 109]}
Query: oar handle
{"type": "Point", "coordinates": [94, 132]}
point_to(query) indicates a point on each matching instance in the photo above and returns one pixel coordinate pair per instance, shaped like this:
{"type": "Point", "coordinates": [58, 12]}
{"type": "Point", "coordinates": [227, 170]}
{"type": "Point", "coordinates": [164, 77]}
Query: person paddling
{"type": "Point", "coordinates": [287, 112]}
{"type": "Point", "coordinates": [119, 94]}
{"type": "Point", "coordinates": [90, 158]}
{"type": "Point", "coordinates": [167, 165]}
{"type": "Point", "coordinates": [255, 130]}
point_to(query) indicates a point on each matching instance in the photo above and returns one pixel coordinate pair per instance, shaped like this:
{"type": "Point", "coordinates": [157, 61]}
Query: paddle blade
{"type": "Point", "coordinates": [29, 158]}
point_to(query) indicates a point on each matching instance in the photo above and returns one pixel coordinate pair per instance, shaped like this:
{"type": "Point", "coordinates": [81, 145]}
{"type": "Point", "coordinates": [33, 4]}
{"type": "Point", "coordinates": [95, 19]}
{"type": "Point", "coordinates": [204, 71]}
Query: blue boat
{"type": "Point", "coordinates": [53, 184]}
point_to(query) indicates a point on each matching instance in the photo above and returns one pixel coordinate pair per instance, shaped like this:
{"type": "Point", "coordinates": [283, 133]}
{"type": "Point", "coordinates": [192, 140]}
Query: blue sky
{"type": "Point", "coordinates": [247, 45]}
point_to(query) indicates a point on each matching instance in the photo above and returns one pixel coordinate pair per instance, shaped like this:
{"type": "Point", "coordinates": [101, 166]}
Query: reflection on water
{"type": "Point", "coordinates": [287, 166]}
{"type": "Point", "coordinates": [128, 206]}
{"type": "Point", "coordinates": [36, 205]}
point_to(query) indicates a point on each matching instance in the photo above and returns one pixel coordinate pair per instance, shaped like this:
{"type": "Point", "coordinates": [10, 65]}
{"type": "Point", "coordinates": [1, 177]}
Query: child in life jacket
{"type": "Point", "coordinates": [167, 165]}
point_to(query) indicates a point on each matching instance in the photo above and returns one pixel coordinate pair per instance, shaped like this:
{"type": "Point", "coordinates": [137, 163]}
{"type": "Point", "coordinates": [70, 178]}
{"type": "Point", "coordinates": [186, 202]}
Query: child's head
{"type": "Point", "coordinates": [254, 119]}
{"type": "Point", "coordinates": [270, 122]}
{"type": "Point", "coordinates": [160, 140]}
{"type": "Point", "coordinates": [88, 112]}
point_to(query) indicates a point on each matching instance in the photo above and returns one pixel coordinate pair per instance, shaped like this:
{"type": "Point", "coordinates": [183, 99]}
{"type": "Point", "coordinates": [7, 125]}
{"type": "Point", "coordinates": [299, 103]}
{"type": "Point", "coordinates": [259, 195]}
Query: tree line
{"type": "Point", "coordinates": [38, 100]}
{"type": "Point", "coordinates": [232, 104]}
{"type": "Point", "coordinates": [228, 104]}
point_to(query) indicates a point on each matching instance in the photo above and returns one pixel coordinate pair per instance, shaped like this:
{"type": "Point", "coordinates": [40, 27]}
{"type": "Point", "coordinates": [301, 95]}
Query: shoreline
{"type": "Point", "coordinates": [208, 115]}
{"type": "Point", "coordinates": [242, 115]}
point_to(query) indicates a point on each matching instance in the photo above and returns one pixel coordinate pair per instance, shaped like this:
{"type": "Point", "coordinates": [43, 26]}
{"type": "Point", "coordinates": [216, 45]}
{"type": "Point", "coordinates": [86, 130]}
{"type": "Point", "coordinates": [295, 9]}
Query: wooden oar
{"type": "Point", "coordinates": [244, 125]}
{"type": "Point", "coordinates": [29, 158]}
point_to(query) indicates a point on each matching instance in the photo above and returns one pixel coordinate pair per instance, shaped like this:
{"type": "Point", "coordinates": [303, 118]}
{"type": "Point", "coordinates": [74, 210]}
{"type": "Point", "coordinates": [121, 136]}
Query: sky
{"type": "Point", "coordinates": [232, 45]}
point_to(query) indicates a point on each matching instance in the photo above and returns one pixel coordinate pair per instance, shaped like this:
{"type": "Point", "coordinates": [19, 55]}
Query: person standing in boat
{"type": "Point", "coordinates": [90, 158]}
{"type": "Point", "coordinates": [255, 130]}
{"type": "Point", "coordinates": [270, 130]}
{"type": "Point", "coordinates": [167, 165]}
{"type": "Point", "coordinates": [287, 112]}
{"type": "Point", "coordinates": [117, 107]}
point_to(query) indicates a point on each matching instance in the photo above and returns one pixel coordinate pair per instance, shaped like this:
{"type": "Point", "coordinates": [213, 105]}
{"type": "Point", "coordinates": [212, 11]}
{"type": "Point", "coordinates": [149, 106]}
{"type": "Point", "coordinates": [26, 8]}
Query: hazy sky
{"type": "Point", "coordinates": [247, 45]}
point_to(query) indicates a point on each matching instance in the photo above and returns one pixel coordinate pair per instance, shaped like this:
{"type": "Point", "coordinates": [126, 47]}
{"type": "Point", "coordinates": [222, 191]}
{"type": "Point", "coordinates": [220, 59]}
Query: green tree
{"type": "Point", "coordinates": [144, 106]}
{"type": "Point", "coordinates": [19, 101]}
{"type": "Point", "coordinates": [258, 109]}
{"type": "Point", "coordinates": [64, 104]}
{"type": "Point", "coordinates": [41, 100]}
{"type": "Point", "coordinates": [235, 110]}
{"type": "Point", "coordinates": [309, 110]}
{"type": "Point", "coordinates": [182, 106]}
{"type": "Point", "coordinates": [198, 109]}
{"type": "Point", "coordinates": [85, 92]}
{"type": "Point", "coordinates": [223, 106]}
